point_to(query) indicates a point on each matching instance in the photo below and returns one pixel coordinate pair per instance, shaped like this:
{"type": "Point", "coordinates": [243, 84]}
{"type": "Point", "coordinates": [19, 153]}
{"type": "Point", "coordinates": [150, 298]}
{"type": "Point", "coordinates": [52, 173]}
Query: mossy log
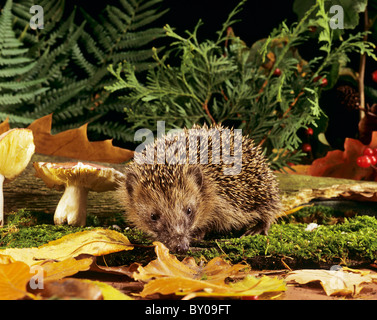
{"type": "Point", "coordinates": [300, 189]}
{"type": "Point", "coordinates": [29, 192]}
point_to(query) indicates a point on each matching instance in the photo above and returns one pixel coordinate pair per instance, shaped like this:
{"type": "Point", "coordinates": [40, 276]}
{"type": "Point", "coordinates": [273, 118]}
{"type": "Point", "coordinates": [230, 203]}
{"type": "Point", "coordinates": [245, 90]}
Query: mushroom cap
{"type": "Point", "coordinates": [90, 176]}
{"type": "Point", "coordinates": [16, 150]}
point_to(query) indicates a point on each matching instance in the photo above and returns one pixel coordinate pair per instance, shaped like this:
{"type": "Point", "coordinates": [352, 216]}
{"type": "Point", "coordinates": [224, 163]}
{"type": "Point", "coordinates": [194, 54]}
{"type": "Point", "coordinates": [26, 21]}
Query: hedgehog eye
{"type": "Point", "coordinates": [155, 216]}
{"type": "Point", "coordinates": [189, 211]}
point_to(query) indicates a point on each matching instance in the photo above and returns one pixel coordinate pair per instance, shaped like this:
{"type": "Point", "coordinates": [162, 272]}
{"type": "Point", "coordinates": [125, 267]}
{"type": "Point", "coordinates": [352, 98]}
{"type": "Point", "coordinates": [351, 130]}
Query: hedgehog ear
{"type": "Point", "coordinates": [197, 174]}
{"type": "Point", "coordinates": [130, 180]}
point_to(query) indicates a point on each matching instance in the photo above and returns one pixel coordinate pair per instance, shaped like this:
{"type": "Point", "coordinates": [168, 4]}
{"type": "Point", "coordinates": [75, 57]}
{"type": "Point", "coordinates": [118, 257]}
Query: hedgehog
{"type": "Point", "coordinates": [197, 181]}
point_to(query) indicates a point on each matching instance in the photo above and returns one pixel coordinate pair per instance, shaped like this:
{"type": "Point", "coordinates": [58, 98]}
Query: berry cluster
{"type": "Point", "coordinates": [369, 158]}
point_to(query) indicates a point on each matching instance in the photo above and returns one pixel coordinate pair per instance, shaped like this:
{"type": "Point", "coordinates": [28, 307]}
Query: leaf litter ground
{"type": "Point", "coordinates": [338, 240]}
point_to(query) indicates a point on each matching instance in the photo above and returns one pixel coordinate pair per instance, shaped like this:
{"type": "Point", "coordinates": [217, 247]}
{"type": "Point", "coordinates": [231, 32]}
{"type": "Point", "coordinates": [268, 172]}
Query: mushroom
{"type": "Point", "coordinates": [77, 179]}
{"type": "Point", "coordinates": [16, 149]}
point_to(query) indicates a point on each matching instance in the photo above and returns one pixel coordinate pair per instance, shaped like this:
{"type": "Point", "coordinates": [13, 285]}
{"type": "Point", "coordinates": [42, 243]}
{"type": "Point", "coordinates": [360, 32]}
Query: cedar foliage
{"type": "Point", "coordinates": [226, 82]}
{"type": "Point", "coordinates": [73, 57]}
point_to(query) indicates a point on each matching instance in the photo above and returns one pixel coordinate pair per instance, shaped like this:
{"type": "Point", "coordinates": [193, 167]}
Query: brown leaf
{"type": "Point", "coordinates": [342, 164]}
{"type": "Point", "coordinates": [4, 126]}
{"type": "Point", "coordinates": [71, 288]}
{"type": "Point", "coordinates": [74, 144]}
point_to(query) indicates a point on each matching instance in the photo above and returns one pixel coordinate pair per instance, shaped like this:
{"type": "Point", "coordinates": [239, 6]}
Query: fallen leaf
{"type": "Point", "coordinates": [74, 144]}
{"type": "Point", "coordinates": [56, 270]}
{"type": "Point", "coordinates": [6, 259]}
{"type": "Point", "coordinates": [4, 126]}
{"type": "Point", "coordinates": [334, 282]}
{"type": "Point", "coordinates": [167, 275]}
{"type": "Point", "coordinates": [342, 164]}
{"type": "Point", "coordinates": [71, 288]}
{"type": "Point", "coordinates": [13, 280]}
{"type": "Point", "coordinates": [96, 242]}
{"type": "Point", "coordinates": [109, 292]}
{"type": "Point", "coordinates": [167, 265]}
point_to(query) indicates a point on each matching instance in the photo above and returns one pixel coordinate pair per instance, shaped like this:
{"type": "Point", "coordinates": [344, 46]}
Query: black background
{"type": "Point", "coordinates": [258, 17]}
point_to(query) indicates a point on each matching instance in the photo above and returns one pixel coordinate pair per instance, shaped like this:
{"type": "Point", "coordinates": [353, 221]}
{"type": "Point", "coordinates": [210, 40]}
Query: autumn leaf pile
{"type": "Point", "coordinates": [58, 260]}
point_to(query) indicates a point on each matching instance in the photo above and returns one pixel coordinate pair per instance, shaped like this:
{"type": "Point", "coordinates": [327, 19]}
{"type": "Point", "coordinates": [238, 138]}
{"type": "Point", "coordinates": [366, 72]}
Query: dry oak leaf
{"type": "Point", "coordinates": [109, 292]}
{"type": "Point", "coordinates": [342, 164]}
{"type": "Point", "coordinates": [334, 282]}
{"type": "Point", "coordinates": [4, 126]}
{"type": "Point", "coordinates": [167, 275]}
{"type": "Point", "coordinates": [56, 270]}
{"type": "Point", "coordinates": [14, 278]}
{"type": "Point", "coordinates": [71, 288]}
{"type": "Point", "coordinates": [96, 242]}
{"type": "Point", "coordinates": [74, 144]}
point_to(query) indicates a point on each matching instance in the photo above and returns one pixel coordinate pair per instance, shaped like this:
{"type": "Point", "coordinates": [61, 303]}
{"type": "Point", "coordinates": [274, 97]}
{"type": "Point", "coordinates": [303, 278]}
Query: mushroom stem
{"type": "Point", "coordinates": [2, 178]}
{"type": "Point", "coordinates": [71, 208]}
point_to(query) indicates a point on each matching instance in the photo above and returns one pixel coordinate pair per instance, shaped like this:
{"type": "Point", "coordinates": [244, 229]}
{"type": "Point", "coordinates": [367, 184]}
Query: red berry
{"type": "Point", "coordinates": [309, 131]}
{"type": "Point", "coordinates": [375, 152]}
{"type": "Point", "coordinates": [312, 28]}
{"type": "Point", "coordinates": [306, 147]}
{"type": "Point", "coordinates": [324, 81]}
{"type": "Point", "coordinates": [368, 152]}
{"type": "Point", "coordinates": [373, 159]}
{"type": "Point", "coordinates": [374, 76]}
{"type": "Point", "coordinates": [277, 72]}
{"type": "Point", "coordinates": [364, 161]}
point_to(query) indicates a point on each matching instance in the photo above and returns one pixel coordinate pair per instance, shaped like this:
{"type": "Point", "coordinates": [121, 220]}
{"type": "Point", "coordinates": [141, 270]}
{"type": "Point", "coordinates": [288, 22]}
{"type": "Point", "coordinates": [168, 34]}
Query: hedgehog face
{"type": "Point", "coordinates": [168, 207]}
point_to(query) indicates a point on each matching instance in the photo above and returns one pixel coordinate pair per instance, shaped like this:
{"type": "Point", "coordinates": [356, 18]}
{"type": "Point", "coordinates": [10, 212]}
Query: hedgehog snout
{"type": "Point", "coordinates": [180, 244]}
{"type": "Point", "coordinates": [182, 248]}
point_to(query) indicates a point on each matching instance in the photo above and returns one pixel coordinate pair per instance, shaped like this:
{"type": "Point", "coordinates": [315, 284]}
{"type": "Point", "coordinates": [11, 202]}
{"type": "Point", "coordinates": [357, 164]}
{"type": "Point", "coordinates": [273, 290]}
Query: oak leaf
{"type": "Point", "coordinates": [71, 288]}
{"type": "Point", "coordinates": [334, 282]}
{"type": "Point", "coordinates": [56, 270]}
{"type": "Point", "coordinates": [74, 144]}
{"type": "Point", "coordinates": [4, 126]}
{"type": "Point", "coordinates": [167, 275]}
{"type": "Point", "coordinates": [342, 164]}
{"type": "Point", "coordinates": [109, 292]}
{"type": "Point", "coordinates": [13, 280]}
{"type": "Point", "coordinates": [96, 242]}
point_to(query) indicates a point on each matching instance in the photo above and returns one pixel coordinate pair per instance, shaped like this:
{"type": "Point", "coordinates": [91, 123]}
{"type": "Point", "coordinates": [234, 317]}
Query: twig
{"type": "Point", "coordinates": [362, 70]}
{"type": "Point", "coordinates": [205, 107]}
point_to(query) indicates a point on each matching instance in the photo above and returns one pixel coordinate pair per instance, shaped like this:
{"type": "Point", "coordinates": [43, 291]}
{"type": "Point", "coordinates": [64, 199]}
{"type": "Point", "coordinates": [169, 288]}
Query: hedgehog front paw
{"type": "Point", "coordinates": [261, 227]}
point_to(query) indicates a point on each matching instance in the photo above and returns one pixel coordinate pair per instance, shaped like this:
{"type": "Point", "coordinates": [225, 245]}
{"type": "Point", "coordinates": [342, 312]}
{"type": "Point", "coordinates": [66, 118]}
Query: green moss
{"type": "Point", "coordinates": [351, 242]}
{"type": "Point", "coordinates": [338, 240]}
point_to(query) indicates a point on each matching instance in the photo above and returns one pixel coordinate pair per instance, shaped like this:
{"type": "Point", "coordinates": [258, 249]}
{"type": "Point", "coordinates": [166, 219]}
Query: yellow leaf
{"type": "Point", "coordinates": [68, 267]}
{"type": "Point", "coordinates": [109, 292]}
{"type": "Point", "coordinates": [13, 280]}
{"type": "Point", "coordinates": [167, 275]}
{"type": "Point", "coordinates": [334, 282]}
{"type": "Point", "coordinates": [182, 286]}
{"type": "Point", "coordinates": [251, 286]}
{"type": "Point", "coordinates": [168, 265]}
{"type": "Point", "coordinates": [6, 259]}
{"type": "Point", "coordinates": [96, 242]}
